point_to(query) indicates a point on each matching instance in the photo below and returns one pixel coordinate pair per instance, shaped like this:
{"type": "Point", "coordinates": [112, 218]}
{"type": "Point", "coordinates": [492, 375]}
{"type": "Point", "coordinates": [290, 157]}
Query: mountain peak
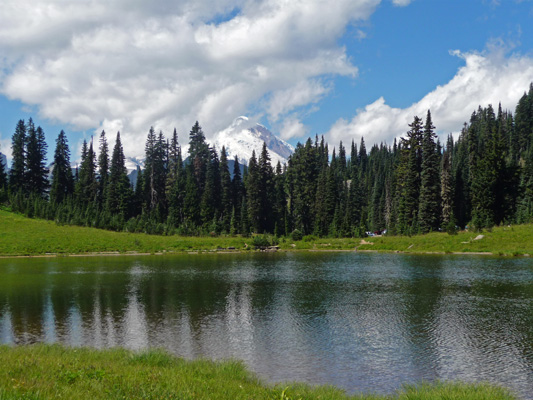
{"type": "Point", "coordinates": [244, 136]}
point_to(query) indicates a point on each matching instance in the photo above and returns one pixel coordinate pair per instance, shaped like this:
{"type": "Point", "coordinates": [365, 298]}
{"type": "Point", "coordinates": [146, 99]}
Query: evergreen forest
{"type": "Point", "coordinates": [482, 178]}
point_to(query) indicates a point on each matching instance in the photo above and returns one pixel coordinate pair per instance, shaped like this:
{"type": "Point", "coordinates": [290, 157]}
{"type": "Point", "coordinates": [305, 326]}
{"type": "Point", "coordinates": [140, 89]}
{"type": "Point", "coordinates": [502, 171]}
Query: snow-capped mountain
{"type": "Point", "coordinates": [240, 139]}
{"type": "Point", "coordinates": [243, 136]}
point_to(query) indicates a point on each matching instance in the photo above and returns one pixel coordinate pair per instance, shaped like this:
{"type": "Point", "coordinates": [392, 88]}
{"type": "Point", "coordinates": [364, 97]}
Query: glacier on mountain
{"type": "Point", "coordinates": [244, 136]}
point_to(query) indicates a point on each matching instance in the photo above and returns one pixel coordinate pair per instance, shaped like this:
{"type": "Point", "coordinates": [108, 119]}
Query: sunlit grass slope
{"type": "Point", "coordinates": [54, 372]}
{"type": "Point", "coordinates": [505, 240]}
{"type": "Point", "coordinates": [24, 236]}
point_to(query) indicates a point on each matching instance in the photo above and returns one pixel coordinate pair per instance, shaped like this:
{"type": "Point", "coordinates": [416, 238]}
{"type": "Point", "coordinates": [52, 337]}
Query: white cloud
{"type": "Point", "coordinates": [292, 127]}
{"type": "Point", "coordinates": [302, 93]}
{"type": "Point", "coordinates": [401, 3]}
{"type": "Point", "coordinates": [486, 78]}
{"type": "Point", "coordinates": [131, 64]}
{"type": "Point", "coordinates": [5, 147]}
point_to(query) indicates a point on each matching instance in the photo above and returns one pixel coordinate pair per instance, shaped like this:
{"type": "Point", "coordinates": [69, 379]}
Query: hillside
{"type": "Point", "coordinates": [21, 236]}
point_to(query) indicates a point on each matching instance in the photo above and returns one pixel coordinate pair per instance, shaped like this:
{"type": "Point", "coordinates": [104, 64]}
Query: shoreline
{"type": "Point", "coordinates": [22, 237]}
{"type": "Point", "coordinates": [225, 252]}
{"type": "Point", "coordinates": [84, 372]}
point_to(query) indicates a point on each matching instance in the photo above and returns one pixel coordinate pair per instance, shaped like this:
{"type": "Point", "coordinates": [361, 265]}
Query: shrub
{"type": "Point", "coordinates": [260, 241]}
{"type": "Point", "coordinates": [296, 235]}
{"type": "Point", "coordinates": [451, 229]}
{"type": "Point", "coordinates": [309, 238]}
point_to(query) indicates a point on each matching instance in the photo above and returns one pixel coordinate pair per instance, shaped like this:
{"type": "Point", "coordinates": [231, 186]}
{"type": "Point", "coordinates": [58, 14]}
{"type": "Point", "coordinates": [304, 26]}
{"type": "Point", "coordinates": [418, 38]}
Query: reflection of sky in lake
{"type": "Point", "coordinates": [364, 322]}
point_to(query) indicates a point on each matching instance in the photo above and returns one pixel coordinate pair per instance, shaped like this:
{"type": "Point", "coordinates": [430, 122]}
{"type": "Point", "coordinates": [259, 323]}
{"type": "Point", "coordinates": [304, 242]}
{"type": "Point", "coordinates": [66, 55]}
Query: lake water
{"type": "Point", "coordinates": [363, 322]}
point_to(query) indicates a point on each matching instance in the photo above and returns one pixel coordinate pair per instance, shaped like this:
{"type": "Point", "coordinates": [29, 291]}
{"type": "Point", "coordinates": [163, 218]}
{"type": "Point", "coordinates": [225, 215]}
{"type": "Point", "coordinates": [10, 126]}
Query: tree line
{"type": "Point", "coordinates": [416, 185]}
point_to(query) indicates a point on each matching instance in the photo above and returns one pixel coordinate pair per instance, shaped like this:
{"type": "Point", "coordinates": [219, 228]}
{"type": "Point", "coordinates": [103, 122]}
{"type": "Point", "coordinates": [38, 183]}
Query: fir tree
{"type": "Point", "coordinates": [266, 191]}
{"type": "Point", "coordinates": [155, 175]}
{"type": "Point", "coordinates": [87, 185]}
{"type": "Point", "coordinates": [447, 185]}
{"type": "Point", "coordinates": [409, 178]}
{"type": "Point", "coordinates": [119, 193]}
{"type": "Point", "coordinates": [253, 192]}
{"type": "Point", "coordinates": [62, 180]}
{"type": "Point", "coordinates": [210, 203]}
{"type": "Point", "coordinates": [18, 153]}
{"type": "Point", "coordinates": [237, 189]}
{"type": "Point", "coordinates": [198, 155]}
{"type": "Point", "coordinates": [280, 202]}
{"type": "Point", "coordinates": [304, 168]}
{"type": "Point", "coordinates": [176, 182]}
{"type": "Point", "coordinates": [191, 201]}
{"type": "Point", "coordinates": [430, 186]}
{"type": "Point", "coordinates": [103, 167]}
{"type": "Point", "coordinates": [226, 197]}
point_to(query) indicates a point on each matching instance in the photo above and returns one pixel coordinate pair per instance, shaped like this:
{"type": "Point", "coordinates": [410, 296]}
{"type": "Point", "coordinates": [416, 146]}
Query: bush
{"type": "Point", "coordinates": [451, 229]}
{"type": "Point", "coordinates": [296, 235]}
{"type": "Point", "coordinates": [260, 241]}
{"type": "Point", "coordinates": [309, 238]}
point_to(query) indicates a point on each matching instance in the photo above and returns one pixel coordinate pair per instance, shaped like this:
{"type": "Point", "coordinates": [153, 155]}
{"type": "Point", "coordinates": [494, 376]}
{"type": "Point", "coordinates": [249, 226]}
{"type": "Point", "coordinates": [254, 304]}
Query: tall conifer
{"type": "Point", "coordinates": [430, 186]}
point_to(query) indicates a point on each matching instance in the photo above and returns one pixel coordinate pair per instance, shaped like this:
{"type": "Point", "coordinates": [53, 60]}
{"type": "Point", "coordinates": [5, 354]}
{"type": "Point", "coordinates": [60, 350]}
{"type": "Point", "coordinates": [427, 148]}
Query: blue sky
{"type": "Point", "coordinates": [363, 67]}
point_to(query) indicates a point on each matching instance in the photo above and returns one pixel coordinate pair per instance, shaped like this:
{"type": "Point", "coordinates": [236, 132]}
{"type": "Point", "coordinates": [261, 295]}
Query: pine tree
{"type": "Point", "coordinates": [103, 168]}
{"type": "Point", "coordinates": [409, 178]}
{"type": "Point", "coordinates": [226, 197]}
{"type": "Point", "coordinates": [304, 169]}
{"type": "Point", "coordinates": [18, 153]}
{"type": "Point", "coordinates": [266, 191]}
{"type": "Point", "coordinates": [430, 186]}
{"type": "Point", "coordinates": [191, 201]}
{"type": "Point", "coordinates": [237, 190]}
{"type": "Point", "coordinates": [174, 163]}
{"type": "Point", "coordinates": [198, 155]}
{"type": "Point", "coordinates": [119, 193]}
{"type": "Point", "coordinates": [62, 180]}
{"type": "Point", "coordinates": [253, 193]}
{"type": "Point", "coordinates": [447, 185]}
{"type": "Point", "coordinates": [176, 182]}
{"type": "Point", "coordinates": [155, 184]}
{"type": "Point", "coordinates": [363, 158]}
{"type": "Point", "coordinates": [87, 185]}
{"type": "Point", "coordinates": [280, 202]}
{"type": "Point", "coordinates": [36, 175]}
{"type": "Point", "coordinates": [210, 203]}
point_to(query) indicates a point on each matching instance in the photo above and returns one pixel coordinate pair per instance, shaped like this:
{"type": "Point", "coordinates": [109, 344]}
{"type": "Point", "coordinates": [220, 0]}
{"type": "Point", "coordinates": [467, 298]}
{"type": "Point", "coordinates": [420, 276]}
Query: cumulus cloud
{"type": "Point", "coordinates": [486, 78]}
{"type": "Point", "coordinates": [131, 64]}
{"type": "Point", "coordinates": [292, 127]}
{"type": "Point", "coordinates": [5, 147]}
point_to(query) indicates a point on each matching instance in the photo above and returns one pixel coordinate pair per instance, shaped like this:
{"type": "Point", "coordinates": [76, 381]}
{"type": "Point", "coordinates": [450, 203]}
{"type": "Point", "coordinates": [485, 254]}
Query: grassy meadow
{"type": "Point", "coordinates": [21, 236]}
{"type": "Point", "coordinates": [53, 372]}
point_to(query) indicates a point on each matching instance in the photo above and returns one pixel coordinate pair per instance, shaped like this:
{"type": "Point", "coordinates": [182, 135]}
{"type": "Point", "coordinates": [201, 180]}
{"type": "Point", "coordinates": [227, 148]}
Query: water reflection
{"type": "Point", "coordinates": [360, 321]}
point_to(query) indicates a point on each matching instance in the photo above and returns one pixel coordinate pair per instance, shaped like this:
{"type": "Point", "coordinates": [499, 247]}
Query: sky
{"type": "Point", "coordinates": [344, 70]}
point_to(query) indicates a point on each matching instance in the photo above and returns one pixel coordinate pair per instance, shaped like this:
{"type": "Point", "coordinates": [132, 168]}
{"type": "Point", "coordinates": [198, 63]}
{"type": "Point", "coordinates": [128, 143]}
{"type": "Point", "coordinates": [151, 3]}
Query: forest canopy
{"type": "Point", "coordinates": [482, 178]}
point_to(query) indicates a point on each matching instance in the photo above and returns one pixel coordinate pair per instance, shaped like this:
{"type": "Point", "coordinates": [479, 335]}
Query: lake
{"type": "Point", "coordinates": [362, 322]}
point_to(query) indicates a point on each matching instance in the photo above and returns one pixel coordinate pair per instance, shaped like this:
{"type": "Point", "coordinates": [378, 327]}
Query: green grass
{"type": "Point", "coordinates": [20, 236]}
{"type": "Point", "coordinates": [24, 236]}
{"type": "Point", "coordinates": [53, 372]}
{"type": "Point", "coordinates": [506, 240]}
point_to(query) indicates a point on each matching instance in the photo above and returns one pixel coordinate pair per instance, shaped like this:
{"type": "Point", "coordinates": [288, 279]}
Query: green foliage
{"type": "Point", "coordinates": [451, 228]}
{"type": "Point", "coordinates": [411, 187]}
{"type": "Point", "coordinates": [296, 235]}
{"type": "Point", "coordinates": [82, 373]}
{"type": "Point", "coordinates": [260, 241]}
{"type": "Point", "coordinates": [62, 179]}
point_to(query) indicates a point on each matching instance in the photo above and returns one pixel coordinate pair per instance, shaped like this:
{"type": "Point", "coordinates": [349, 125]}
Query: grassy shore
{"type": "Point", "coordinates": [53, 372]}
{"type": "Point", "coordinates": [20, 236]}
